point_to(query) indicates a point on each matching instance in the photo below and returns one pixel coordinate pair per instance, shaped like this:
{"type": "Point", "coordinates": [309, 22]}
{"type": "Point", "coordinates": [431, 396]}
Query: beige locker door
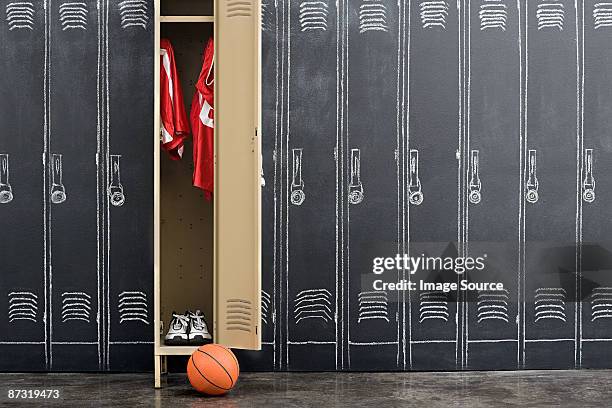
{"type": "Point", "coordinates": [237, 177]}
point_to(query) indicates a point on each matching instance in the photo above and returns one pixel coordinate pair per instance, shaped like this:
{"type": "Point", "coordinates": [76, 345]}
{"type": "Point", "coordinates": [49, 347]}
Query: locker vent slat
{"type": "Point", "coordinates": [238, 8]}
{"type": "Point", "coordinates": [239, 315]}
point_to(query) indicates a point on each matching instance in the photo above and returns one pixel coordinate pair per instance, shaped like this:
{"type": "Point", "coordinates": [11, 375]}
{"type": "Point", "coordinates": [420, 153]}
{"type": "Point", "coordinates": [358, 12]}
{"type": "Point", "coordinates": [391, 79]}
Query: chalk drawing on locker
{"type": "Point", "coordinates": [133, 13]}
{"type": "Point", "coordinates": [433, 13]}
{"type": "Point", "coordinates": [266, 302]}
{"type": "Point", "coordinates": [492, 305]}
{"type": "Point", "coordinates": [373, 16]}
{"type": "Point", "coordinates": [297, 184]}
{"type": "Point", "coordinates": [602, 15]}
{"type": "Point", "coordinates": [433, 306]}
{"type": "Point", "coordinates": [373, 305]}
{"type": "Point", "coordinates": [133, 306]}
{"type": "Point", "coordinates": [267, 17]}
{"type": "Point", "coordinates": [415, 195]}
{"type": "Point", "coordinates": [588, 180]}
{"type": "Point", "coordinates": [6, 191]}
{"type": "Point", "coordinates": [550, 304]}
{"type": "Point", "coordinates": [22, 305]}
{"type": "Point", "coordinates": [20, 15]}
{"type": "Point", "coordinates": [76, 306]}
{"type": "Point", "coordinates": [601, 303]}
{"type": "Point", "coordinates": [493, 15]}
{"type": "Point", "coordinates": [313, 304]}
{"type": "Point", "coordinates": [475, 185]}
{"type": "Point", "coordinates": [531, 193]}
{"type": "Point", "coordinates": [313, 15]}
{"type": "Point", "coordinates": [355, 194]}
{"type": "Point", "coordinates": [73, 16]}
{"type": "Point", "coordinates": [58, 191]}
{"type": "Point", "coordinates": [550, 14]}
{"type": "Point", "coordinates": [115, 188]}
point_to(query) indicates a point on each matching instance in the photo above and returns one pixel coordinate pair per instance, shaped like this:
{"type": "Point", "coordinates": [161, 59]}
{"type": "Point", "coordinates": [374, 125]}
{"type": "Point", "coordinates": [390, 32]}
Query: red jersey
{"type": "Point", "coordinates": [202, 123]}
{"type": "Point", "coordinates": [174, 124]}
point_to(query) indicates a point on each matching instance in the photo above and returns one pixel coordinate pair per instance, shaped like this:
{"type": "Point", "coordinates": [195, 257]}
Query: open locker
{"type": "Point", "coordinates": [207, 253]}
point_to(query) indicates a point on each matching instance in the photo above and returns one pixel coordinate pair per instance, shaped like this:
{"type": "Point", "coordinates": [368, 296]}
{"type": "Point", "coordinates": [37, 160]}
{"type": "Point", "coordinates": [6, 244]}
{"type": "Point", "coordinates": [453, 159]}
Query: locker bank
{"type": "Point", "coordinates": [275, 203]}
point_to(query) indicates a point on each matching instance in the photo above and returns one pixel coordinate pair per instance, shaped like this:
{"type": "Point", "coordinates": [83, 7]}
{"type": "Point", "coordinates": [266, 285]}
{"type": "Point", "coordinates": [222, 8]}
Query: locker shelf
{"type": "Point", "coordinates": [165, 350]}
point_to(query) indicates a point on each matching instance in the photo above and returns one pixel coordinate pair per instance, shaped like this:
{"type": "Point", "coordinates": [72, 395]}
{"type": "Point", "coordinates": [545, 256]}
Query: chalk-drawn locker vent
{"type": "Point", "coordinates": [266, 308]}
{"type": "Point", "coordinates": [493, 15]}
{"type": "Point", "coordinates": [492, 305]}
{"type": "Point", "coordinates": [134, 13]}
{"type": "Point", "coordinates": [550, 304]}
{"type": "Point", "coordinates": [313, 304]}
{"type": "Point", "coordinates": [6, 191]}
{"type": "Point", "coordinates": [373, 305]}
{"type": "Point", "coordinates": [373, 16]}
{"type": "Point", "coordinates": [433, 306]}
{"type": "Point", "coordinates": [133, 307]}
{"type": "Point", "coordinates": [238, 315]}
{"type": "Point", "coordinates": [73, 16]}
{"type": "Point", "coordinates": [601, 304]}
{"type": "Point", "coordinates": [238, 8]}
{"type": "Point", "coordinates": [20, 15]}
{"type": "Point", "coordinates": [76, 306]}
{"type": "Point", "coordinates": [602, 15]}
{"type": "Point", "coordinates": [267, 16]}
{"type": "Point", "coordinates": [433, 13]}
{"type": "Point", "coordinates": [550, 15]}
{"type": "Point", "coordinates": [313, 15]}
{"type": "Point", "coordinates": [22, 305]}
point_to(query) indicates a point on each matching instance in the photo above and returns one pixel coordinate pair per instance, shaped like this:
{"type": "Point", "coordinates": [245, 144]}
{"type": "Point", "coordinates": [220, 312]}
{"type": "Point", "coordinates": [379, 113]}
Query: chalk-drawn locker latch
{"type": "Point", "coordinates": [297, 184]}
{"type": "Point", "coordinates": [355, 194]}
{"type": "Point", "coordinates": [6, 191]}
{"type": "Point", "coordinates": [588, 182]}
{"type": "Point", "coordinates": [415, 196]}
{"type": "Point", "coordinates": [531, 195]}
{"type": "Point", "coordinates": [115, 189]}
{"type": "Point", "coordinates": [58, 191]}
{"type": "Point", "coordinates": [475, 185]}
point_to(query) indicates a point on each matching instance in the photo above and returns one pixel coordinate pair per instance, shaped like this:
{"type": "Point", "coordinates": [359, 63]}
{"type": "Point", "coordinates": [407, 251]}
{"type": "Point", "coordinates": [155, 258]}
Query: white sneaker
{"type": "Point", "coordinates": [178, 330]}
{"type": "Point", "coordinates": [198, 329]}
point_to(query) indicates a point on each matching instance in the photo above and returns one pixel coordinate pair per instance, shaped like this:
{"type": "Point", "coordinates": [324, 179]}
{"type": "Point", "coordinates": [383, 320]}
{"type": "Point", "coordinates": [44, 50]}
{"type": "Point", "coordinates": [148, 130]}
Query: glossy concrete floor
{"type": "Point", "coordinates": [587, 388]}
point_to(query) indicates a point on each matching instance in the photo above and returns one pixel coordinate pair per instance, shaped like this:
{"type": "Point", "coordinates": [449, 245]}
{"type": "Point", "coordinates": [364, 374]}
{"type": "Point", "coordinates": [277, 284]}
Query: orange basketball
{"type": "Point", "coordinates": [213, 369]}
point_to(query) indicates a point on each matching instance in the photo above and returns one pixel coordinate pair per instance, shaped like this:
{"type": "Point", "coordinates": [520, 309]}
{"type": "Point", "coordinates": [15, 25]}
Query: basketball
{"type": "Point", "coordinates": [213, 369]}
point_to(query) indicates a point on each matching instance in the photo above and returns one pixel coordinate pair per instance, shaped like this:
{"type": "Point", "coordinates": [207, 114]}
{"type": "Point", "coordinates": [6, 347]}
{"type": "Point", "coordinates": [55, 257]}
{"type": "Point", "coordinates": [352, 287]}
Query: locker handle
{"type": "Point", "coordinates": [415, 195]}
{"type": "Point", "coordinates": [297, 184]}
{"type": "Point", "coordinates": [115, 188]}
{"type": "Point", "coordinates": [6, 191]}
{"type": "Point", "coordinates": [475, 184]}
{"type": "Point", "coordinates": [58, 191]}
{"type": "Point", "coordinates": [531, 195]}
{"type": "Point", "coordinates": [355, 194]}
{"type": "Point", "coordinates": [588, 183]}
